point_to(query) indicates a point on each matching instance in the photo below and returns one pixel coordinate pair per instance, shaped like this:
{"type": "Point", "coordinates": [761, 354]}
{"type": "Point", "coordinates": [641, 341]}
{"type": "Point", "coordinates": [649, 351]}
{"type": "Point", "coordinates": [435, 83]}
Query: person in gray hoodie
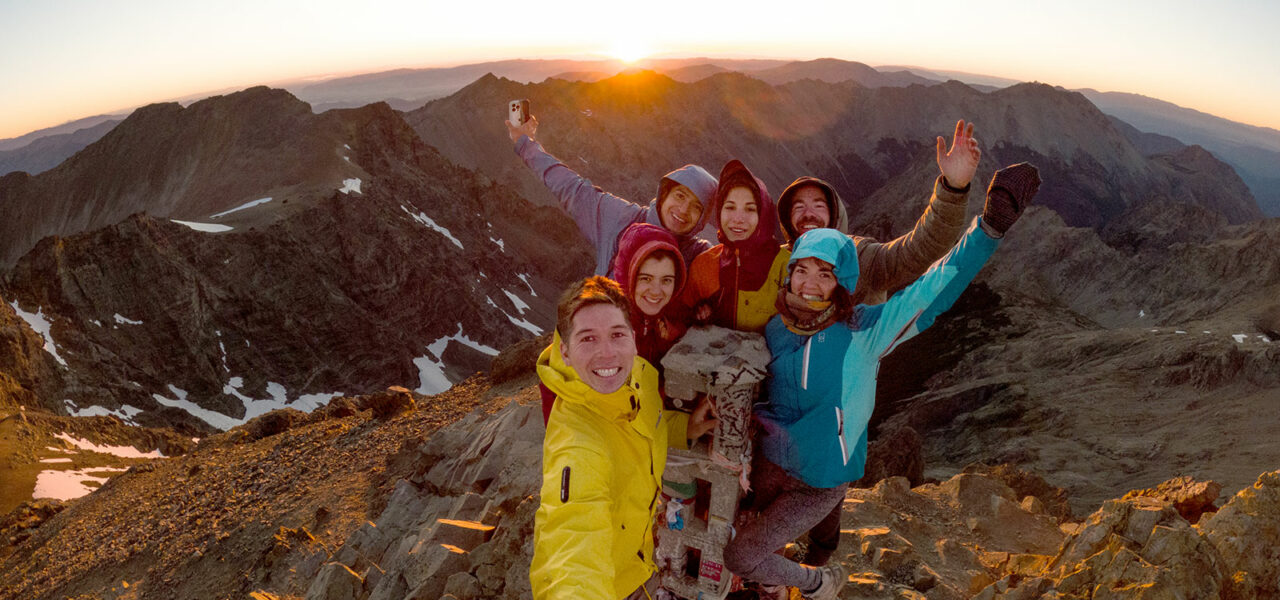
{"type": "Point", "coordinates": [681, 206]}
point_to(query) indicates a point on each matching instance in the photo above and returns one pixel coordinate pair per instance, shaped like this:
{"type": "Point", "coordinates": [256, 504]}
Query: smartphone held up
{"type": "Point", "coordinates": [518, 112]}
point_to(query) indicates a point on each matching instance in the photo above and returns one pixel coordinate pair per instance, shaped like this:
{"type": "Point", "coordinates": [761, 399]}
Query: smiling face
{"type": "Point", "coordinates": [809, 210]}
{"type": "Point", "coordinates": [813, 279]}
{"type": "Point", "coordinates": [655, 283]}
{"type": "Point", "coordinates": [601, 347]}
{"type": "Point", "coordinates": [680, 210]}
{"type": "Point", "coordinates": [739, 215]}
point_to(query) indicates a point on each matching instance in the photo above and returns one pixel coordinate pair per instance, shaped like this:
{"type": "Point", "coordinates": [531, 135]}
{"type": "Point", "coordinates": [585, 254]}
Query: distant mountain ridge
{"type": "Point", "coordinates": [624, 132]}
{"type": "Point", "coordinates": [49, 151]}
{"type": "Point", "coordinates": [1252, 151]}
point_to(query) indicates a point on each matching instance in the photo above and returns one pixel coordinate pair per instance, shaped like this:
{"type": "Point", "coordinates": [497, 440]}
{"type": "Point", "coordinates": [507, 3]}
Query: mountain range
{"type": "Point", "coordinates": [1254, 152]}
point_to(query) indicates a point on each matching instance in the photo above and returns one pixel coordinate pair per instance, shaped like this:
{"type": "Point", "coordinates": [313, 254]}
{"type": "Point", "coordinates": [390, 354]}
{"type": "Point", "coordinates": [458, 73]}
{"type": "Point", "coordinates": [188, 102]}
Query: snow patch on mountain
{"type": "Point", "coordinates": [121, 451]}
{"type": "Point", "coordinates": [431, 377]}
{"type": "Point", "coordinates": [205, 227]}
{"type": "Point", "coordinates": [425, 220]}
{"type": "Point", "coordinates": [279, 398]}
{"type": "Point", "coordinates": [253, 407]}
{"type": "Point", "coordinates": [350, 185]}
{"type": "Point", "coordinates": [40, 325]}
{"type": "Point", "coordinates": [125, 320]}
{"type": "Point", "coordinates": [242, 207]}
{"type": "Point", "coordinates": [125, 413]}
{"type": "Point", "coordinates": [67, 485]}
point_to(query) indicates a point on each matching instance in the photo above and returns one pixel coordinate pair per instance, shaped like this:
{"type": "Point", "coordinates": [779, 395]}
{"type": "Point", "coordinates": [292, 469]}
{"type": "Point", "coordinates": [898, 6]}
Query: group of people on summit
{"type": "Point", "coordinates": [830, 306]}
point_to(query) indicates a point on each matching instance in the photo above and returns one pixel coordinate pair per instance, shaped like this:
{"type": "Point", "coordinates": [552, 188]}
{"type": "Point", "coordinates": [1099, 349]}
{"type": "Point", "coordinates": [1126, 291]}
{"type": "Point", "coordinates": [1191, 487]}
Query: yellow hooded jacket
{"type": "Point", "coordinates": [602, 462]}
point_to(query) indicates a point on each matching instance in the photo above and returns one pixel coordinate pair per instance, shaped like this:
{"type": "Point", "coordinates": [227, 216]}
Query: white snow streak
{"type": "Point", "coordinates": [501, 246]}
{"type": "Point", "coordinates": [41, 326]}
{"type": "Point", "coordinates": [425, 220]}
{"type": "Point", "coordinates": [1239, 338]}
{"type": "Point", "coordinates": [525, 278]}
{"type": "Point", "coordinates": [242, 207]}
{"type": "Point", "coordinates": [126, 321]}
{"type": "Point", "coordinates": [212, 417]}
{"type": "Point", "coordinates": [125, 413]}
{"type": "Point", "coordinates": [205, 227]}
{"type": "Point", "coordinates": [520, 304]}
{"type": "Point", "coordinates": [55, 460]}
{"type": "Point", "coordinates": [524, 324]}
{"type": "Point", "coordinates": [252, 407]}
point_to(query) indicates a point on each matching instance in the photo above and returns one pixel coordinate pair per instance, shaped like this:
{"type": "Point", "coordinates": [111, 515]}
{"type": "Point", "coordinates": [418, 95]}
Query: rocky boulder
{"type": "Point", "coordinates": [1189, 497]}
{"type": "Point", "coordinates": [1138, 547]}
{"type": "Point", "coordinates": [1247, 534]}
{"type": "Point", "coordinates": [461, 525]}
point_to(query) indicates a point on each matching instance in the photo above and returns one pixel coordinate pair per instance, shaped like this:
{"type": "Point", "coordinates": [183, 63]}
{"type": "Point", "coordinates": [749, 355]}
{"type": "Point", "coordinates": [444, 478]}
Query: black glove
{"type": "Point", "coordinates": [1012, 189]}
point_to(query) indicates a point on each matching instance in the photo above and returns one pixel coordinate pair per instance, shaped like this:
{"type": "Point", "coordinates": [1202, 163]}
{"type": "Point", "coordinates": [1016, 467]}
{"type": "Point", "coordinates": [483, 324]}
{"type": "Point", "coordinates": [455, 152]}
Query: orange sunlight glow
{"type": "Point", "coordinates": [629, 51]}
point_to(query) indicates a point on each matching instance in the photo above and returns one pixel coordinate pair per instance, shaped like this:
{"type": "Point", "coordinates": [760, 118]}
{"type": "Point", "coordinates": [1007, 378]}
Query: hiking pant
{"type": "Point", "coordinates": [823, 538]}
{"type": "Point", "coordinates": [787, 507]}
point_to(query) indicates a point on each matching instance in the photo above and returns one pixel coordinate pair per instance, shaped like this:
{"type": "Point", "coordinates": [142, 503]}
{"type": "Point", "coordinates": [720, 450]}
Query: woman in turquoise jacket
{"type": "Point", "coordinates": [821, 389]}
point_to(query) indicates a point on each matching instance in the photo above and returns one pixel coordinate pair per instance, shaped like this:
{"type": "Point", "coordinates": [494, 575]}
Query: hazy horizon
{"type": "Point", "coordinates": [67, 61]}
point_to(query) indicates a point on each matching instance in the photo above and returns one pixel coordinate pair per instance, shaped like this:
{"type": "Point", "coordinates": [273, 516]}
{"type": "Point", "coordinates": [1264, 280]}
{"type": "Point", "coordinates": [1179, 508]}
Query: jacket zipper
{"type": "Point", "coordinates": [804, 369]}
{"type": "Point", "coordinates": [844, 450]}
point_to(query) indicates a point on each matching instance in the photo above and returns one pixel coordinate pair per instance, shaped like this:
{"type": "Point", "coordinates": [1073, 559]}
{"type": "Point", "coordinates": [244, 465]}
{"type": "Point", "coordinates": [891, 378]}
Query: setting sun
{"type": "Point", "coordinates": [629, 51]}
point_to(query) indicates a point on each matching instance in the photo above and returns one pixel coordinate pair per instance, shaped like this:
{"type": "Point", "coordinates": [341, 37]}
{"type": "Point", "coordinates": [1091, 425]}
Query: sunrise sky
{"type": "Point", "coordinates": [62, 60]}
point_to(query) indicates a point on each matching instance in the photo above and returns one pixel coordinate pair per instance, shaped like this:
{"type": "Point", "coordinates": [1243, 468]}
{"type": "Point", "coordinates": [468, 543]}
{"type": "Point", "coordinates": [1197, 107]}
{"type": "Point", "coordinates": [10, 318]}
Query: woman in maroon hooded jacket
{"type": "Point", "coordinates": [739, 279]}
{"type": "Point", "coordinates": [652, 274]}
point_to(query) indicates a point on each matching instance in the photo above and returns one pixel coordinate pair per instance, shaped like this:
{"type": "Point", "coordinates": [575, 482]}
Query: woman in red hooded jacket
{"type": "Point", "coordinates": [739, 279]}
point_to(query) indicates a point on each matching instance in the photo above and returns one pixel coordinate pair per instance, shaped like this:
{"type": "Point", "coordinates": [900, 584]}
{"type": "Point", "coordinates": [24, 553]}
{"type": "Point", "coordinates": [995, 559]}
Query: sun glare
{"type": "Point", "coordinates": [629, 51]}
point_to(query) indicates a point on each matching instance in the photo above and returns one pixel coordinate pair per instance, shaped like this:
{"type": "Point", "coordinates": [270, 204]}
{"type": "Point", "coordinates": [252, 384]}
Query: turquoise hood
{"type": "Point", "coordinates": [832, 247]}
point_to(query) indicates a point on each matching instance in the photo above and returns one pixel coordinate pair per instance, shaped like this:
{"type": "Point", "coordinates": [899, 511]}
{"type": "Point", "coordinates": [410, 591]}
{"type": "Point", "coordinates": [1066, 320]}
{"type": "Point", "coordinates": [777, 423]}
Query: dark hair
{"type": "Point", "coordinates": [592, 290]}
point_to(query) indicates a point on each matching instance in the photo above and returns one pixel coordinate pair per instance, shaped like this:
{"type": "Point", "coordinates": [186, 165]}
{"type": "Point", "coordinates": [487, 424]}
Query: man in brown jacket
{"type": "Point", "coordinates": [809, 203]}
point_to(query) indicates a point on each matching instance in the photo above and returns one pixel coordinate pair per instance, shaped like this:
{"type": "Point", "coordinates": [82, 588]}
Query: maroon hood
{"type": "Point", "coordinates": [635, 244]}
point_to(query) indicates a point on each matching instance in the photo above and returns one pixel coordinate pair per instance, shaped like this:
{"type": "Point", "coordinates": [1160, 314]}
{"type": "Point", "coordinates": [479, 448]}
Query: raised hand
{"type": "Point", "coordinates": [529, 128]}
{"type": "Point", "coordinates": [1012, 189]}
{"type": "Point", "coordinates": [960, 162]}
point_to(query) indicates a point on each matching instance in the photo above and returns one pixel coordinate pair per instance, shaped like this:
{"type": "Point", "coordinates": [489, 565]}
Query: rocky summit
{"type": "Point", "coordinates": [393, 495]}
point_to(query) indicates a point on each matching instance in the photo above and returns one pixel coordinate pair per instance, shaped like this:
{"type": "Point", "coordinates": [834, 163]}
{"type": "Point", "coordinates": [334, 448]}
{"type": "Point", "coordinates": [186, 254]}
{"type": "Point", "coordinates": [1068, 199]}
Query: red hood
{"type": "Point", "coordinates": [736, 174]}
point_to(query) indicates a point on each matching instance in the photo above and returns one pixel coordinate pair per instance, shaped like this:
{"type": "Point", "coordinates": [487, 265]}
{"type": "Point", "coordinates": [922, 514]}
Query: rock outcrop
{"type": "Point", "coordinates": [1246, 532]}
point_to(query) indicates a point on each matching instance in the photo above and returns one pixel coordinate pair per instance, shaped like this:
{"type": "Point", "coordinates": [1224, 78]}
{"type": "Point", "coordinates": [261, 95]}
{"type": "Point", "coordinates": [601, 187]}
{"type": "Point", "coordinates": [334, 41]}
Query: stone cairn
{"type": "Point", "coordinates": [703, 486]}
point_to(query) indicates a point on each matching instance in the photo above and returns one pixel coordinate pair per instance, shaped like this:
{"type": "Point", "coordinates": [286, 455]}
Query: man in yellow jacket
{"type": "Point", "coordinates": [604, 452]}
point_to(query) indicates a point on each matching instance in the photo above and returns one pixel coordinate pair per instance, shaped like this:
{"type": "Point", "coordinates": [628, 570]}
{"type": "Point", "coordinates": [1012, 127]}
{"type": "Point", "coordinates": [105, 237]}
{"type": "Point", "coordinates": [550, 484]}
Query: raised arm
{"type": "Point", "coordinates": [599, 215]}
{"type": "Point", "coordinates": [914, 309]}
{"type": "Point", "coordinates": [888, 266]}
